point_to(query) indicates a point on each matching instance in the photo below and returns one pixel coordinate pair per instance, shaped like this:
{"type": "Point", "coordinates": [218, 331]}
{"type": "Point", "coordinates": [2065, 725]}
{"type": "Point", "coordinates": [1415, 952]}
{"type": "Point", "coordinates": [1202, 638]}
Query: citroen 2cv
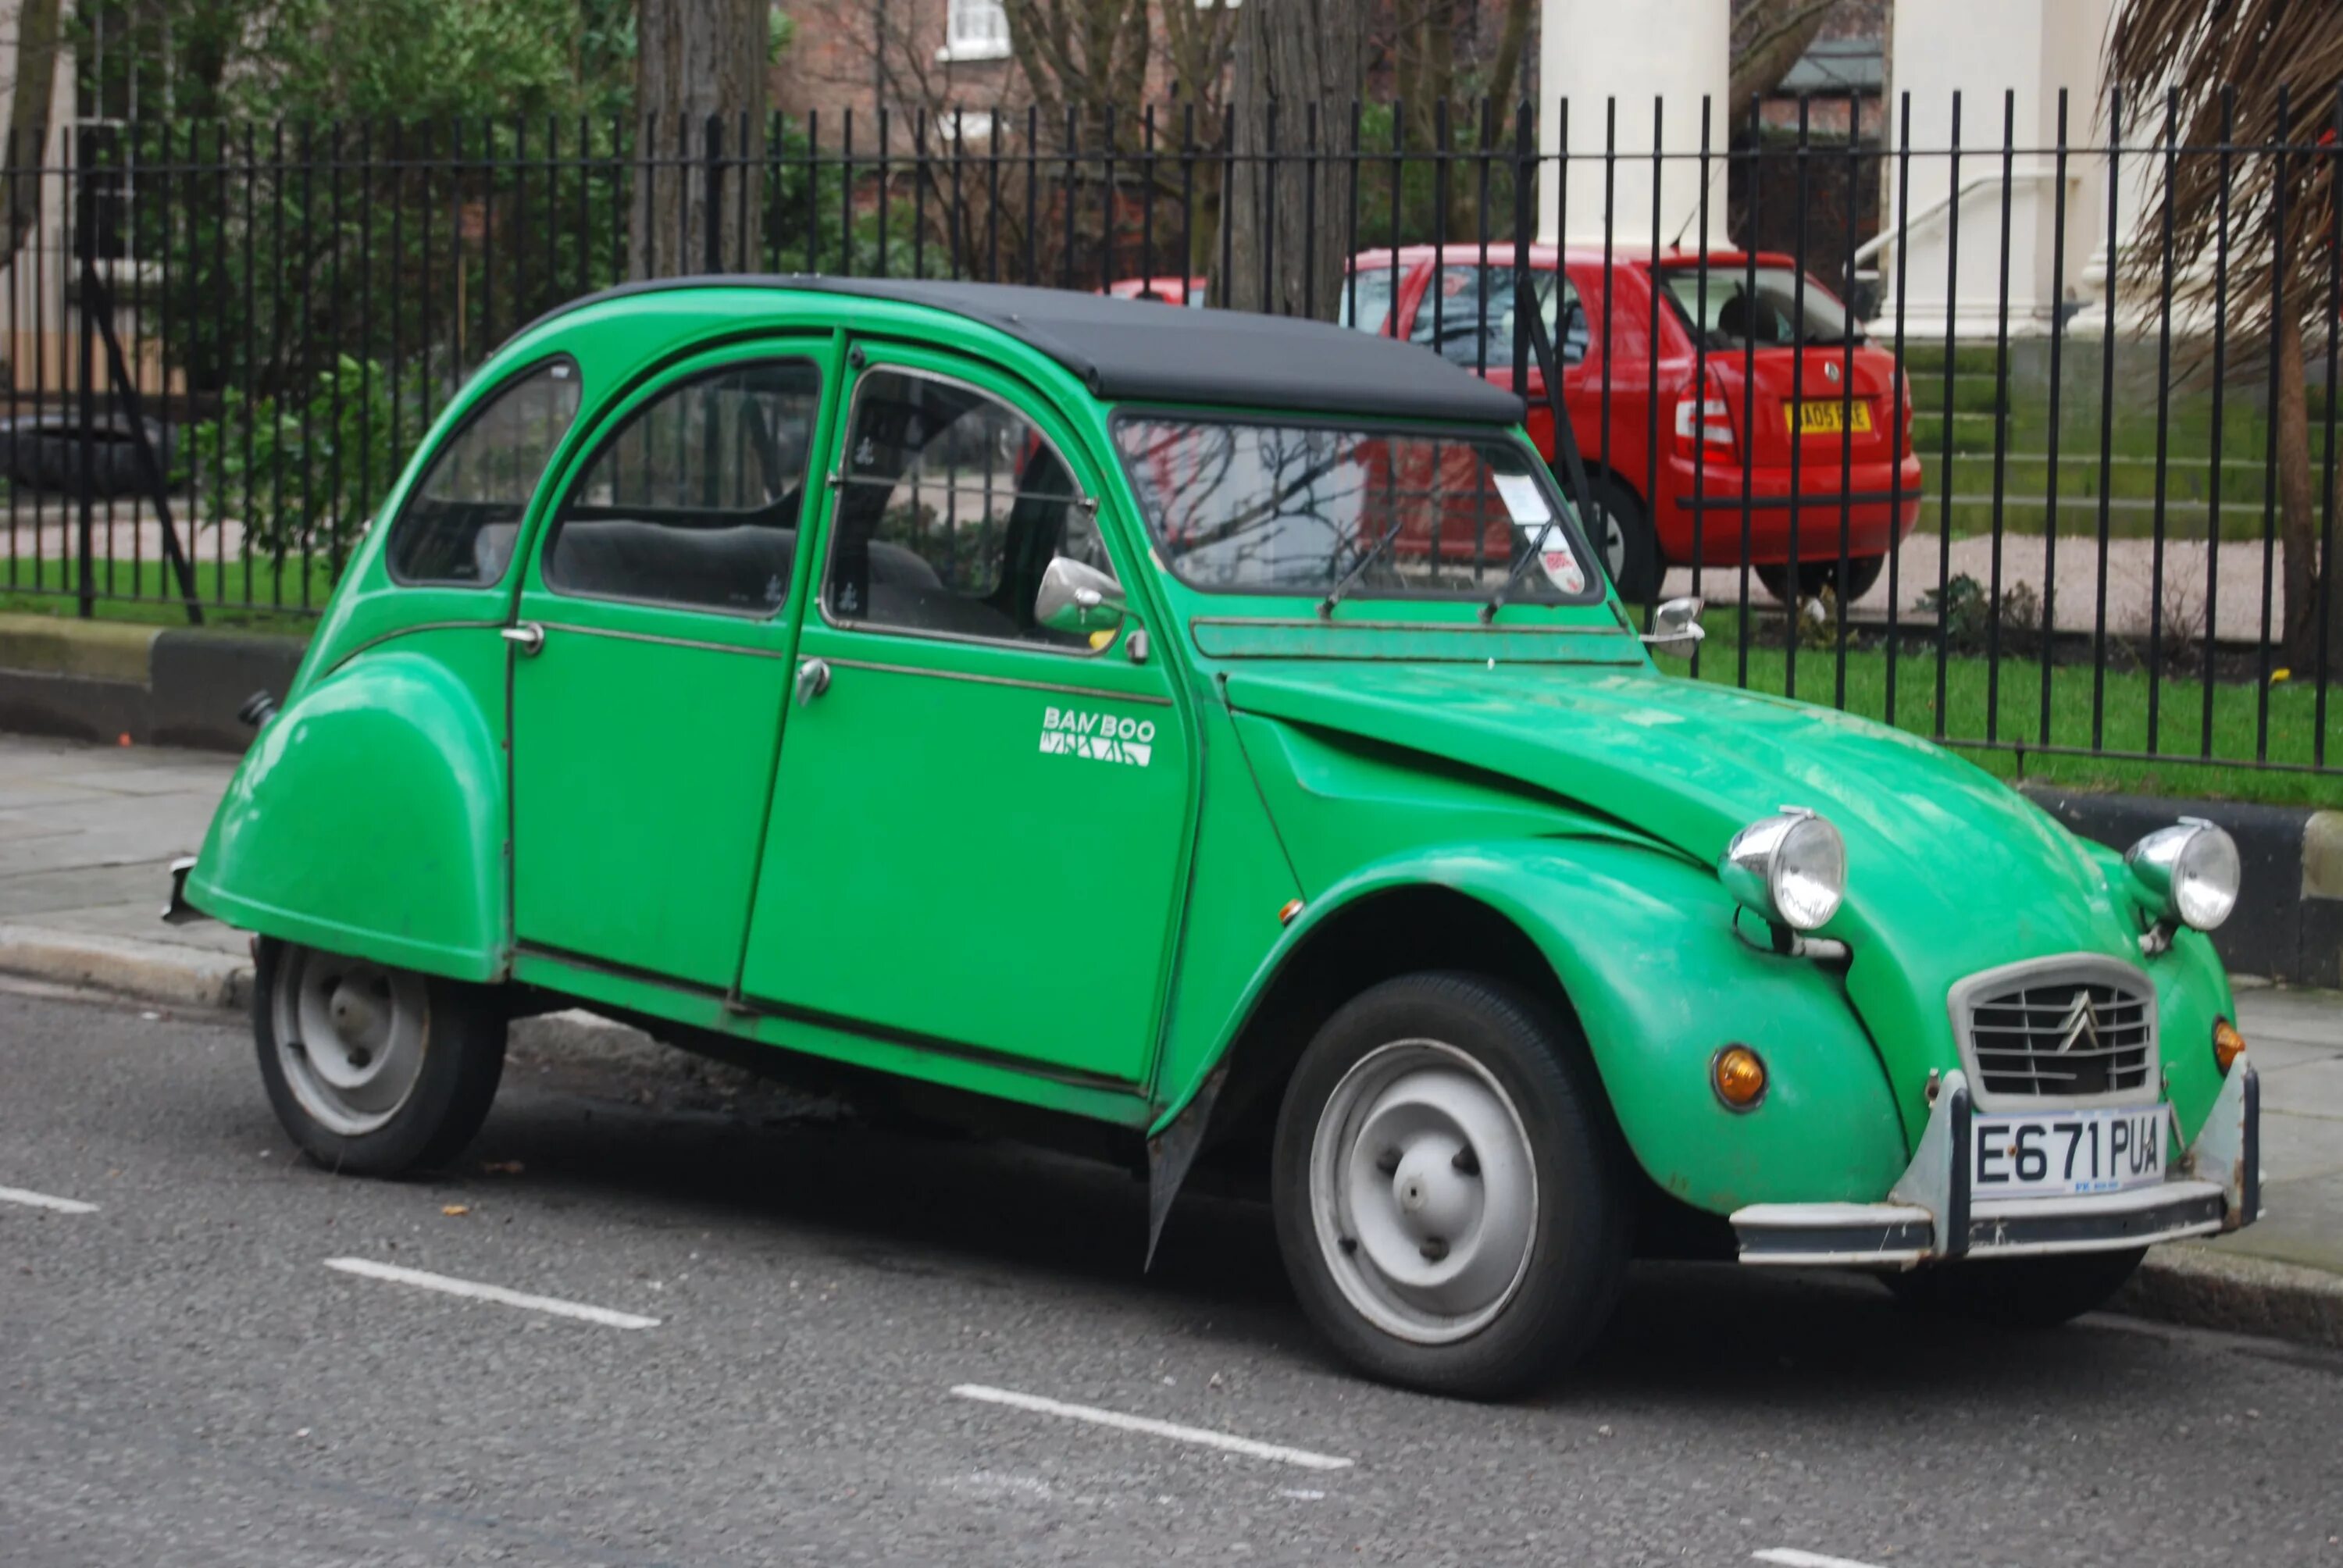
{"type": "Point", "coordinates": [1015, 695]}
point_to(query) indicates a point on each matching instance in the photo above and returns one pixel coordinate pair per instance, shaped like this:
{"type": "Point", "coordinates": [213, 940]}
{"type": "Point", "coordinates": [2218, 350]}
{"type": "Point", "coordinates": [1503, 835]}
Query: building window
{"type": "Point", "coordinates": [975, 30]}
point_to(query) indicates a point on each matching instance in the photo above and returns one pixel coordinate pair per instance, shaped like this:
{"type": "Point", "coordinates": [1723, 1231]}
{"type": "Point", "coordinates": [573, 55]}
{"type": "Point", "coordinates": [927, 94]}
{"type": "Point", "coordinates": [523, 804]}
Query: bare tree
{"type": "Point", "coordinates": [1769, 37]}
{"type": "Point", "coordinates": [1298, 69]}
{"type": "Point", "coordinates": [2244, 72]}
{"type": "Point", "coordinates": [38, 24]}
{"type": "Point", "coordinates": [699, 86]}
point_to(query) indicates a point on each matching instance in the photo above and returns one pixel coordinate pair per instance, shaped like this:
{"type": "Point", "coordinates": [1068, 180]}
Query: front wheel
{"type": "Point", "coordinates": [1447, 1190]}
{"type": "Point", "coordinates": [374, 1071]}
{"type": "Point", "coordinates": [2018, 1292]}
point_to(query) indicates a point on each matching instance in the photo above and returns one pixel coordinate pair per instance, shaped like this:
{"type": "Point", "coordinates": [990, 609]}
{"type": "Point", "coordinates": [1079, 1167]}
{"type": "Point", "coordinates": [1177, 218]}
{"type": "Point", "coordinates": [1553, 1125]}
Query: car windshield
{"type": "Point", "coordinates": [1315, 509]}
{"type": "Point", "coordinates": [1725, 311]}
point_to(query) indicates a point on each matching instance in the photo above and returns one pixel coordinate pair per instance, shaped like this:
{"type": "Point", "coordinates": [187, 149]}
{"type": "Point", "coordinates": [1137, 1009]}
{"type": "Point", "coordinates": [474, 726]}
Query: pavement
{"type": "Point", "coordinates": [2138, 590]}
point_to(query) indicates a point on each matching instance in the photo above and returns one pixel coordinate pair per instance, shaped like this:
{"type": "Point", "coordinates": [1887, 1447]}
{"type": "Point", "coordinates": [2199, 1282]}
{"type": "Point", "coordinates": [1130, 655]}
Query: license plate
{"type": "Point", "coordinates": [1826, 417]}
{"type": "Point", "coordinates": [2063, 1152]}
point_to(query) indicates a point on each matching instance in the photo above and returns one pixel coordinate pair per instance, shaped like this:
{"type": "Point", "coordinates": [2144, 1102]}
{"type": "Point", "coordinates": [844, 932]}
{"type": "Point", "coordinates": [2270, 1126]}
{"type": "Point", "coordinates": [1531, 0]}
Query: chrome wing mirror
{"type": "Point", "coordinates": [1077, 598]}
{"type": "Point", "coordinates": [1676, 626]}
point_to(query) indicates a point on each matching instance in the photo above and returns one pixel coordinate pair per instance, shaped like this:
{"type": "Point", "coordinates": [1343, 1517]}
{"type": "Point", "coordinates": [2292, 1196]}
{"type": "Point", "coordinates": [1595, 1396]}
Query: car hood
{"type": "Point", "coordinates": [1949, 871]}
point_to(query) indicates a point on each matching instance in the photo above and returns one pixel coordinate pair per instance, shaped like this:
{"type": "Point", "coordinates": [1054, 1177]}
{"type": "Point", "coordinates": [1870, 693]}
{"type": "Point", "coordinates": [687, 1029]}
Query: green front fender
{"type": "Point", "coordinates": [368, 818]}
{"type": "Point", "coordinates": [1641, 944]}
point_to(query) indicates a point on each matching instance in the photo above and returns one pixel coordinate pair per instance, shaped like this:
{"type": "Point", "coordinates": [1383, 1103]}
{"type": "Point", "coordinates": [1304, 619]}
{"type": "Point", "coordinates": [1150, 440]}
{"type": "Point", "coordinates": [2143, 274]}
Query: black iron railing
{"type": "Point", "coordinates": [2061, 492]}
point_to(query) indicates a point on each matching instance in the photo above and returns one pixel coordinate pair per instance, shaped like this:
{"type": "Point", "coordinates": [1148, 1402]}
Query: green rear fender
{"type": "Point", "coordinates": [1643, 945]}
{"type": "Point", "coordinates": [368, 818]}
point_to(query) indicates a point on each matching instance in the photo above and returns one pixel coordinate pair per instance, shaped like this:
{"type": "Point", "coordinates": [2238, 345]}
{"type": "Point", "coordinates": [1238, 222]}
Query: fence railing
{"type": "Point", "coordinates": [2046, 467]}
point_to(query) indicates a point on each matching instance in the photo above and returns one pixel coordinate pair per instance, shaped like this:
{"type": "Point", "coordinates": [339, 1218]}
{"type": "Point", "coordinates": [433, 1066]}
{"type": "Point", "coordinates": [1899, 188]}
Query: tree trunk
{"type": "Point", "coordinates": [28, 116]}
{"type": "Point", "coordinates": [2304, 531]}
{"type": "Point", "coordinates": [1289, 220]}
{"type": "Point", "coordinates": [700, 84]}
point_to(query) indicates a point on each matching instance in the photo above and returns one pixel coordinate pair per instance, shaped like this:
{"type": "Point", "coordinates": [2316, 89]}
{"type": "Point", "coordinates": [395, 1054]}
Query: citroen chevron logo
{"type": "Point", "coordinates": [2082, 1025]}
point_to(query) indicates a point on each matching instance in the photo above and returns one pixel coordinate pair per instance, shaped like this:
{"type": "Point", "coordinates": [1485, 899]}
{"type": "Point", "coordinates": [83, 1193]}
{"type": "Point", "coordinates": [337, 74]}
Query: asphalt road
{"type": "Point", "coordinates": [184, 1380]}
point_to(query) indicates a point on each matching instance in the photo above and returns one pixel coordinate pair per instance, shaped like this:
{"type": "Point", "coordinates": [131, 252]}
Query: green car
{"type": "Point", "coordinates": [1195, 738]}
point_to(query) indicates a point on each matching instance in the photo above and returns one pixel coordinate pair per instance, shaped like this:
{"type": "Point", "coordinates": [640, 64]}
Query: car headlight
{"type": "Point", "coordinates": [1790, 867]}
{"type": "Point", "coordinates": [2187, 873]}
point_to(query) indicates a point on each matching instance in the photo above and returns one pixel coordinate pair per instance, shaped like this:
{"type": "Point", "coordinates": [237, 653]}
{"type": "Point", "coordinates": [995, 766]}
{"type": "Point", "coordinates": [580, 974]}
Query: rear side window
{"type": "Point", "coordinates": [461, 519]}
{"type": "Point", "coordinates": [694, 501]}
{"type": "Point", "coordinates": [1721, 305]}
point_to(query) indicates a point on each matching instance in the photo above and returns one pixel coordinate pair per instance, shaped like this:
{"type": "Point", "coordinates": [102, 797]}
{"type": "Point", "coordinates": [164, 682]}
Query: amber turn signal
{"type": "Point", "coordinates": [1739, 1077]}
{"type": "Point", "coordinates": [2227, 1043]}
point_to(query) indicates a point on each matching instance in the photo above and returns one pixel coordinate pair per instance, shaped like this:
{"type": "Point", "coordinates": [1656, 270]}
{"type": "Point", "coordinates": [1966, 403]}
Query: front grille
{"type": "Point", "coordinates": [2073, 1035]}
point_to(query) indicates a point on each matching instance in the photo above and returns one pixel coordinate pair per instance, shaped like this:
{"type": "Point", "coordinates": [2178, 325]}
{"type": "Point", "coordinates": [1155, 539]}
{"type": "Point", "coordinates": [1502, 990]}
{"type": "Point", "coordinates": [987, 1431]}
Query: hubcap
{"type": "Point", "coordinates": [1423, 1192]}
{"type": "Point", "coordinates": [350, 1036]}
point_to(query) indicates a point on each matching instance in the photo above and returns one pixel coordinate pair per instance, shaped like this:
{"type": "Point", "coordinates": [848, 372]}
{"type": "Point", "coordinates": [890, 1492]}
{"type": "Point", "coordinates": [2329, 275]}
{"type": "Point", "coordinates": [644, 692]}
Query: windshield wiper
{"type": "Point", "coordinates": [1537, 549]}
{"type": "Point", "coordinates": [1343, 583]}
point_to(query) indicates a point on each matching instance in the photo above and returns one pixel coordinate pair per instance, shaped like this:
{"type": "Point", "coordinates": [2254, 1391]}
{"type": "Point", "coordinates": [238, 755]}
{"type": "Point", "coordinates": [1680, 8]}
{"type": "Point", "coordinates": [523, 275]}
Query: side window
{"type": "Point", "coordinates": [694, 499]}
{"type": "Point", "coordinates": [1468, 316]}
{"type": "Point", "coordinates": [460, 520]}
{"type": "Point", "coordinates": [952, 505]}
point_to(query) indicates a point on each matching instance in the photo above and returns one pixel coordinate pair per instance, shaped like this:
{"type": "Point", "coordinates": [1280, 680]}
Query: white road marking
{"type": "Point", "coordinates": [1225, 1442]}
{"type": "Point", "coordinates": [497, 1294]}
{"type": "Point", "coordinates": [1791, 1557]}
{"type": "Point", "coordinates": [43, 1201]}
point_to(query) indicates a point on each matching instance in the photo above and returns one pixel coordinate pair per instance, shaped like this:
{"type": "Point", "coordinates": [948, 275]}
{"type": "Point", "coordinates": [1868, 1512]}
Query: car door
{"type": "Point", "coordinates": [650, 674]}
{"type": "Point", "coordinates": [978, 823]}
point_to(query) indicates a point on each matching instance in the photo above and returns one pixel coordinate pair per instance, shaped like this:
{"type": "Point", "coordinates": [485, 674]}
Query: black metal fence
{"type": "Point", "coordinates": [2026, 470]}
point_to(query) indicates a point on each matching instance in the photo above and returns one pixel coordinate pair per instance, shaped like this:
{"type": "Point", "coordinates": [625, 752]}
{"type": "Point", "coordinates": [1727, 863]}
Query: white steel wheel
{"type": "Point", "coordinates": [1424, 1192]}
{"type": "Point", "coordinates": [351, 1037]}
{"type": "Point", "coordinates": [1447, 1185]}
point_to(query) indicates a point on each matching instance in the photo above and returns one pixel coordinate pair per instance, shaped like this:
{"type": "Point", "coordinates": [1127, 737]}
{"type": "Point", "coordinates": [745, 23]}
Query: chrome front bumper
{"type": "Point", "coordinates": [1931, 1217]}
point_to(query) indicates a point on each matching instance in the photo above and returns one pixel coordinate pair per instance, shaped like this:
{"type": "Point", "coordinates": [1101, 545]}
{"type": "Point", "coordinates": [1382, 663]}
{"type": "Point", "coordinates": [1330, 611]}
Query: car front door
{"type": "Point", "coordinates": [650, 672]}
{"type": "Point", "coordinates": [978, 822]}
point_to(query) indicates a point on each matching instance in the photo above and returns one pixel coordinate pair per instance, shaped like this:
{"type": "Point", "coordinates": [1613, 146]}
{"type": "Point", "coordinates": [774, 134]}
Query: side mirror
{"type": "Point", "coordinates": [1676, 626]}
{"type": "Point", "coordinates": [1077, 598]}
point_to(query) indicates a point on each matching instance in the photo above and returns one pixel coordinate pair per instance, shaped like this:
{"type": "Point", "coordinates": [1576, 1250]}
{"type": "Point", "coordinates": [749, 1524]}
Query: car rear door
{"type": "Point", "coordinates": [979, 824]}
{"type": "Point", "coordinates": [651, 673]}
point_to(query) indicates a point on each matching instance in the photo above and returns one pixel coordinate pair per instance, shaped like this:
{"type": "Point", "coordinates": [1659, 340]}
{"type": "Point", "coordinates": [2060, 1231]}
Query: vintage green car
{"type": "Point", "coordinates": [1196, 736]}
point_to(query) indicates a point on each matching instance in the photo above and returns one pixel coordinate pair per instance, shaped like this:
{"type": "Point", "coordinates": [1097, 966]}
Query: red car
{"type": "Point", "coordinates": [1165, 290]}
{"type": "Point", "coordinates": [1856, 472]}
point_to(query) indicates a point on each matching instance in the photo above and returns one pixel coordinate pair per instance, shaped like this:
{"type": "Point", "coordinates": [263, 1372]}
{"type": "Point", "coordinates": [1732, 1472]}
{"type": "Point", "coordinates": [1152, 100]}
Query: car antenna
{"type": "Point", "coordinates": [1677, 243]}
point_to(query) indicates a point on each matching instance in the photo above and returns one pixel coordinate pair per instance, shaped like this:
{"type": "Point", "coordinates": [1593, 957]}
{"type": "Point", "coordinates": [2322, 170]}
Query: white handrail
{"type": "Point", "coordinates": [1942, 204]}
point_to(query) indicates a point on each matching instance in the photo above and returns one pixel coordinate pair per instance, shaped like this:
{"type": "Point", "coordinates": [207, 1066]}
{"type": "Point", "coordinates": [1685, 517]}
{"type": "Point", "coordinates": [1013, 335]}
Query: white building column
{"type": "Point", "coordinates": [1594, 54]}
{"type": "Point", "coordinates": [2005, 59]}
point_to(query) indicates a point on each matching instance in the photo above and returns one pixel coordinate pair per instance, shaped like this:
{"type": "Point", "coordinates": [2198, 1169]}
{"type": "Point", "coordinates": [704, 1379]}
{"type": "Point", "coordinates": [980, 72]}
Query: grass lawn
{"type": "Point", "coordinates": [1970, 698]}
{"type": "Point", "coordinates": [233, 594]}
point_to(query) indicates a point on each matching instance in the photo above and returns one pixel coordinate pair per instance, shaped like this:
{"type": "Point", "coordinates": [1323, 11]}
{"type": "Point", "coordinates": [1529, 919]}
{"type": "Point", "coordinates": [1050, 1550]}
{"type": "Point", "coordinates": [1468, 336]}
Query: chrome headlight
{"type": "Point", "coordinates": [1790, 867]}
{"type": "Point", "coordinates": [2187, 873]}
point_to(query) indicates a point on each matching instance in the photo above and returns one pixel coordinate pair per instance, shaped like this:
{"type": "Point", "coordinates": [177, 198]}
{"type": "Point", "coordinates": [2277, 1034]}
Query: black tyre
{"type": "Point", "coordinates": [1621, 530]}
{"type": "Point", "coordinates": [374, 1071]}
{"type": "Point", "coordinates": [2018, 1292]}
{"type": "Point", "coordinates": [1862, 575]}
{"type": "Point", "coordinates": [1449, 1188]}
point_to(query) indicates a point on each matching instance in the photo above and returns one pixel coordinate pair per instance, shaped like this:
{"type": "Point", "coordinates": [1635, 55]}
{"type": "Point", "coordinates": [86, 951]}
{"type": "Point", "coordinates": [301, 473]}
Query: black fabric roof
{"type": "Point", "coordinates": [1144, 350]}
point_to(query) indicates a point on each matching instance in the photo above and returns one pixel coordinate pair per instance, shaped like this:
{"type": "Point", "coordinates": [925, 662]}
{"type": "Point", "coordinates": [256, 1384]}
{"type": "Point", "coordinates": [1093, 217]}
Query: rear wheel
{"type": "Point", "coordinates": [1448, 1198]}
{"type": "Point", "coordinates": [372, 1070]}
{"type": "Point", "coordinates": [1862, 575]}
{"type": "Point", "coordinates": [2018, 1292]}
{"type": "Point", "coordinates": [1623, 531]}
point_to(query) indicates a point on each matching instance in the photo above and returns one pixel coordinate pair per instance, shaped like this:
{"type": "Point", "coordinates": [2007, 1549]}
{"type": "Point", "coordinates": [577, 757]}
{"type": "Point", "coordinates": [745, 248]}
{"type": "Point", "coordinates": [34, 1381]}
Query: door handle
{"type": "Point", "coordinates": [813, 679]}
{"type": "Point", "coordinates": [528, 637]}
